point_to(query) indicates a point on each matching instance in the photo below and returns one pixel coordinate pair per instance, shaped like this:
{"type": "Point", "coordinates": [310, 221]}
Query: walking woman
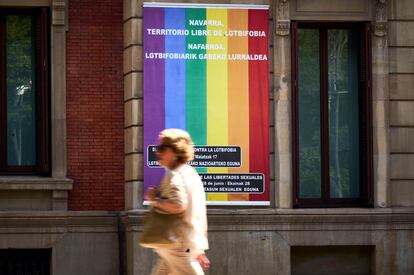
{"type": "Point", "coordinates": [180, 191]}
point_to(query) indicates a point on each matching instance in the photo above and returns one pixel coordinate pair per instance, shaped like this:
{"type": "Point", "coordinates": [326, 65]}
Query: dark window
{"type": "Point", "coordinates": [333, 259]}
{"type": "Point", "coordinates": [24, 91]}
{"type": "Point", "coordinates": [25, 261]}
{"type": "Point", "coordinates": [331, 104]}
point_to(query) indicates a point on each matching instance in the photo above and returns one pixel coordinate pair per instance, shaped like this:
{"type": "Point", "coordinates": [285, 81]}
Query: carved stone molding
{"type": "Point", "coordinates": [283, 18]}
{"type": "Point", "coordinates": [59, 12]}
{"type": "Point", "coordinates": [297, 219]}
{"type": "Point", "coordinates": [380, 25]}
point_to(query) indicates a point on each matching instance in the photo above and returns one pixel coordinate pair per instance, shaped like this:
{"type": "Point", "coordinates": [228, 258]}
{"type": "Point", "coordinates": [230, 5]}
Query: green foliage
{"type": "Point", "coordinates": [20, 89]}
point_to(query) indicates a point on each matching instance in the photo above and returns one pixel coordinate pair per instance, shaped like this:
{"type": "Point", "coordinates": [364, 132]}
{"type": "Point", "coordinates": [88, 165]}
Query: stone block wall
{"type": "Point", "coordinates": [251, 242]}
{"type": "Point", "coordinates": [80, 243]}
{"type": "Point", "coordinates": [401, 116]}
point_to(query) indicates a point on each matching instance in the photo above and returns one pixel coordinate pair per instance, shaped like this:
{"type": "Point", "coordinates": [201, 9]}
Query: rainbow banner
{"type": "Point", "coordinates": [206, 71]}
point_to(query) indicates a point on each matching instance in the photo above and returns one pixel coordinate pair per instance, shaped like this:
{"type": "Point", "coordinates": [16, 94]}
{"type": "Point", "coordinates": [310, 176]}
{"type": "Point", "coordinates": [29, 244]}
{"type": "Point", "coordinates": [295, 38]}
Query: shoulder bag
{"type": "Point", "coordinates": [163, 230]}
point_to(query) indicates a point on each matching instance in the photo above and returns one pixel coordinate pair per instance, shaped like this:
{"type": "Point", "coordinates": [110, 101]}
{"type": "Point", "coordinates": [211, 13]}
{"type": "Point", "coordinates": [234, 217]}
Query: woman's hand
{"type": "Point", "coordinates": [203, 261]}
{"type": "Point", "coordinates": [151, 194]}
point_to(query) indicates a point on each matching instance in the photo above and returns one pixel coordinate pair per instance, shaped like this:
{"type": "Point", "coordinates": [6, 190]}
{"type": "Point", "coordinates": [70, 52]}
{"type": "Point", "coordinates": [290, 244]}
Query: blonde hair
{"type": "Point", "coordinates": [180, 143]}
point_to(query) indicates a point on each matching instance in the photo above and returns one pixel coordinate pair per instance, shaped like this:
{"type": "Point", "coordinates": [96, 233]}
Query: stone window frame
{"type": "Point", "coordinates": [375, 11]}
{"type": "Point", "coordinates": [58, 183]}
{"type": "Point", "coordinates": [364, 198]}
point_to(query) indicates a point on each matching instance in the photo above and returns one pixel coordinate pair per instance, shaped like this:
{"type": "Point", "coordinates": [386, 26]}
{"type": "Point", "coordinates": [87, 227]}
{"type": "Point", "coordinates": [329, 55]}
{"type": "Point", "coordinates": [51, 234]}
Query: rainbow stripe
{"type": "Point", "coordinates": [218, 101]}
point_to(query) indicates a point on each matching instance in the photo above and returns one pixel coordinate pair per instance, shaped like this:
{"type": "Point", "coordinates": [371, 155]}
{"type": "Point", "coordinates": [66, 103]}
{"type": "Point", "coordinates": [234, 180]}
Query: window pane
{"type": "Point", "coordinates": [309, 114]}
{"type": "Point", "coordinates": [343, 113]}
{"type": "Point", "coordinates": [20, 91]}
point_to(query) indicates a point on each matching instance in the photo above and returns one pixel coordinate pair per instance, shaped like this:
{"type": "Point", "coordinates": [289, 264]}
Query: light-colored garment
{"type": "Point", "coordinates": [177, 262]}
{"type": "Point", "coordinates": [183, 186]}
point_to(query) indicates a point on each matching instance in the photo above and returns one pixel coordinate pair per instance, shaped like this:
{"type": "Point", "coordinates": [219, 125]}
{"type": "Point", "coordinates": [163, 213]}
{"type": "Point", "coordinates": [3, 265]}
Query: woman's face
{"type": "Point", "coordinates": [167, 158]}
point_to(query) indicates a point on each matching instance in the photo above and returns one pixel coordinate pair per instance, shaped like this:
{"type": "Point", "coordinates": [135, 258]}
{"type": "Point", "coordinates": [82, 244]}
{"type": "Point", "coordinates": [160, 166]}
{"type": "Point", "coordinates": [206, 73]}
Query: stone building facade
{"type": "Point", "coordinates": [86, 212]}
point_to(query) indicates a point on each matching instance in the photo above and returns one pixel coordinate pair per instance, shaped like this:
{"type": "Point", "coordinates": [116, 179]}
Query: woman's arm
{"type": "Point", "coordinates": [173, 199]}
{"type": "Point", "coordinates": [165, 205]}
{"type": "Point", "coordinates": [168, 206]}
